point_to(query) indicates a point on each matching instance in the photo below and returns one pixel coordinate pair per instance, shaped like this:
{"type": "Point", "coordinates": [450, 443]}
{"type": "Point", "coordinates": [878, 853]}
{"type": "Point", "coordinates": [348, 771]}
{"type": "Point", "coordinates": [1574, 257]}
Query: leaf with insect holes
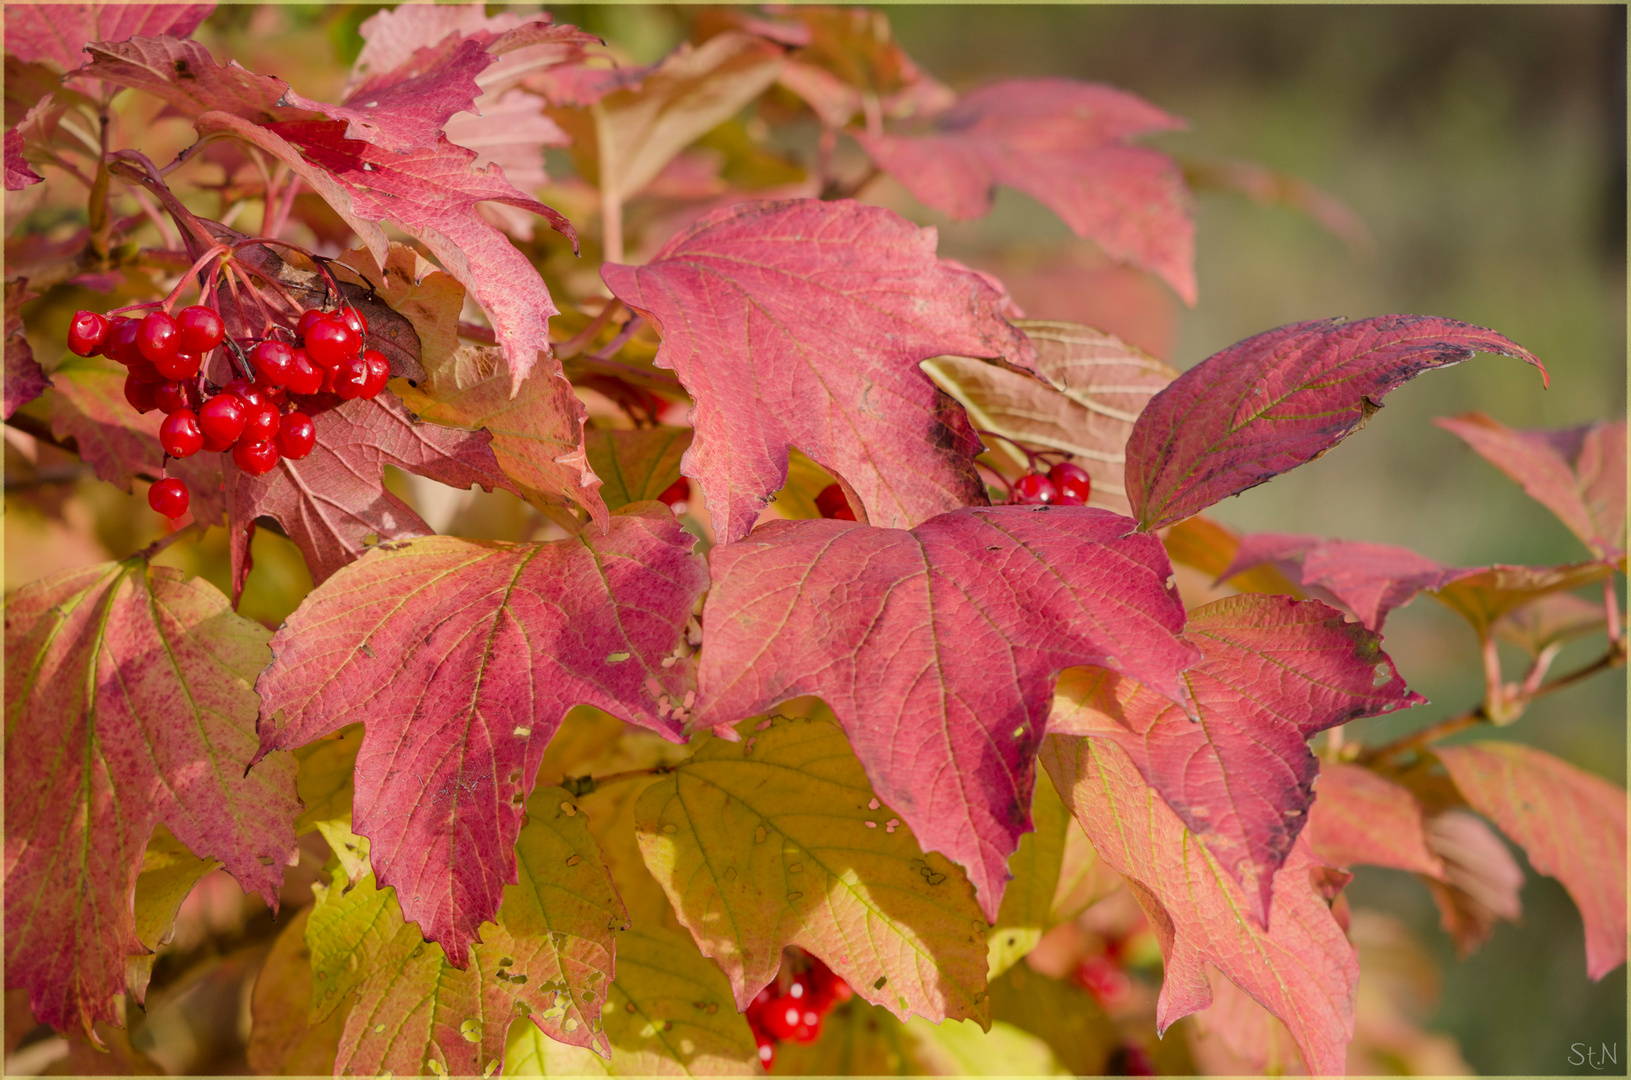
{"type": "Point", "coordinates": [24, 379]}
{"type": "Point", "coordinates": [1099, 386]}
{"type": "Point", "coordinates": [1265, 405]}
{"type": "Point", "coordinates": [1570, 823]}
{"type": "Point", "coordinates": [1273, 672]}
{"type": "Point", "coordinates": [1302, 969]}
{"type": "Point", "coordinates": [281, 1041]}
{"type": "Point", "coordinates": [1064, 143]}
{"type": "Point", "coordinates": [462, 657]}
{"type": "Point", "coordinates": [128, 704]}
{"type": "Point", "coordinates": [1577, 473]}
{"type": "Point", "coordinates": [547, 955]}
{"type": "Point", "coordinates": [537, 434]}
{"type": "Point", "coordinates": [839, 302]}
{"type": "Point", "coordinates": [1360, 817]}
{"type": "Point", "coordinates": [1367, 579]}
{"type": "Point", "coordinates": [938, 648]}
{"type": "Point", "coordinates": [333, 500]}
{"type": "Point", "coordinates": [56, 34]}
{"type": "Point", "coordinates": [780, 841]}
{"type": "Point", "coordinates": [636, 465]}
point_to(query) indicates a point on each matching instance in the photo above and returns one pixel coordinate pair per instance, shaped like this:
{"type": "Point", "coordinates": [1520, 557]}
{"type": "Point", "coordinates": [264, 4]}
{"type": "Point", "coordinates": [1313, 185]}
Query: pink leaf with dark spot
{"type": "Point", "coordinates": [57, 34]}
{"type": "Point", "coordinates": [1063, 143]}
{"type": "Point", "coordinates": [802, 324]}
{"type": "Point", "coordinates": [127, 705]}
{"type": "Point", "coordinates": [1273, 672]}
{"type": "Point", "coordinates": [1278, 400]}
{"type": "Point", "coordinates": [1570, 823]}
{"type": "Point", "coordinates": [1577, 473]}
{"type": "Point", "coordinates": [937, 649]}
{"type": "Point", "coordinates": [461, 657]}
{"type": "Point", "coordinates": [1302, 970]}
{"type": "Point", "coordinates": [1359, 817]}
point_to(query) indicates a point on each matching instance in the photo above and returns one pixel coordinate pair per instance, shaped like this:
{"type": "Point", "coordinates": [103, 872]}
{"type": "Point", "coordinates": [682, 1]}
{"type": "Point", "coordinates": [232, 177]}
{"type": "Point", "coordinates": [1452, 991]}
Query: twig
{"type": "Point", "coordinates": [146, 554]}
{"type": "Point", "coordinates": [477, 333]}
{"type": "Point", "coordinates": [610, 349]}
{"type": "Point", "coordinates": [575, 344]}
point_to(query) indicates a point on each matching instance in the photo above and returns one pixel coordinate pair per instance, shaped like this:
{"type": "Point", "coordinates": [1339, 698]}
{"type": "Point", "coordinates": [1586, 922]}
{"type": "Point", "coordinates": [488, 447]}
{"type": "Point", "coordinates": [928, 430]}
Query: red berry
{"type": "Point", "coordinates": [832, 503]}
{"type": "Point", "coordinates": [168, 497]}
{"type": "Point", "coordinates": [1033, 489]}
{"type": "Point", "coordinates": [260, 423]}
{"type": "Point", "coordinates": [1075, 486]}
{"type": "Point", "coordinates": [247, 392]}
{"type": "Point", "coordinates": [1108, 984]}
{"type": "Point", "coordinates": [180, 365]}
{"type": "Point", "coordinates": [296, 436]}
{"type": "Point", "coordinates": [174, 396]}
{"type": "Point", "coordinates": [307, 318]}
{"type": "Point", "coordinates": [783, 1017]}
{"type": "Point", "coordinates": [305, 377]}
{"type": "Point", "coordinates": [809, 1026]}
{"type": "Point", "coordinates": [139, 394]}
{"type": "Point", "coordinates": [222, 420]}
{"type": "Point", "coordinates": [677, 492]}
{"type": "Point", "coordinates": [144, 370]}
{"type": "Point", "coordinates": [274, 362]}
{"type": "Point", "coordinates": [158, 337]}
{"type": "Point", "coordinates": [255, 458]}
{"type": "Point", "coordinates": [120, 344]}
{"type": "Point", "coordinates": [180, 434]}
{"type": "Point", "coordinates": [379, 373]}
{"type": "Point", "coordinates": [201, 328]}
{"type": "Point", "coordinates": [328, 380]}
{"type": "Point", "coordinates": [330, 341]}
{"type": "Point", "coordinates": [353, 320]}
{"type": "Point", "coordinates": [86, 333]}
{"type": "Point", "coordinates": [351, 377]}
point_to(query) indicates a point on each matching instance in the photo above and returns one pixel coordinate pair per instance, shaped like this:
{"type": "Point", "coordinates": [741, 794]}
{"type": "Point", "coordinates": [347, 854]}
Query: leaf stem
{"type": "Point", "coordinates": [575, 344]}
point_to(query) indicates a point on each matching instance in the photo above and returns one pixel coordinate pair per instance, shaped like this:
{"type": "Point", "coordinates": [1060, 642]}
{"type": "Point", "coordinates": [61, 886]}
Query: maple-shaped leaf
{"type": "Point", "coordinates": [24, 378]}
{"type": "Point", "coordinates": [636, 465]}
{"type": "Point", "coordinates": [461, 658]}
{"type": "Point", "coordinates": [1265, 405]}
{"type": "Point", "coordinates": [937, 649]}
{"type": "Point", "coordinates": [1100, 385]}
{"type": "Point", "coordinates": [56, 34]}
{"type": "Point", "coordinates": [802, 324]}
{"type": "Point", "coordinates": [1577, 473]}
{"type": "Point", "coordinates": [1361, 817]}
{"type": "Point", "coordinates": [1031, 899]}
{"type": "Point", "coordinates": [1481, 879]}
{"type": "Point", "coordinates": [128, 704]}
{"type": "Point", "coordinates": [1302, 969]}
{"type": "Point", "coordinates": [537, 433]}
{"type": "Point", "coordinates": [1273, 672]}
{"type": "Point", "coordinates": [780, 841]}
{"type": "Point", "coordinates": [1367, 579]}
{"type": "Point", "coordinates": [1570, 823]}
{"type": "Point", "coordinates": [1064, 143]}
{"type": "Point", "coordinates": [1486, 595]}
{"type": "Point", "coordinates": [282, 1042]}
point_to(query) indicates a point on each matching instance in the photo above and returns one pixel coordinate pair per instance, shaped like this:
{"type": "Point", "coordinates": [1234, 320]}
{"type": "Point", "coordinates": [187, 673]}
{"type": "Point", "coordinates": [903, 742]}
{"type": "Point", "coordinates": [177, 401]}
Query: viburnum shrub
{"type": "Point", "coordinates": [651, 789]}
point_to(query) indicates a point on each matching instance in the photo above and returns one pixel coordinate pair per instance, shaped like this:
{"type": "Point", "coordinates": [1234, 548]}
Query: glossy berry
{"type": "Point", "coordinates": [1034, 489]}
{"type": "Point", "coordinates": [172, 397]}
{"type": "Point", "coordinates": [1073, 483]}
{"type": "Point", "coordinates": [353, 320]}
{"type": "Point", "coordinates": [274, 362]}
{"type": "Point", "coordinates": [139, 394]}
{"type": "Point", "coordinates": [330, 342]}
{"type": "Point", "coordinates": [222, 420]}
{"type": "Point", "coordinates": [351, 378]}
{"type": "Point", "coordinates": [379, 373]}
{"type": "Point", "coordinates": [832, 503]}
{"type": "Point", "coordinates": [201, 328]}
{"type": "Point", "coordinates": [159, 338]}
{"type": "Point", "coordinates": [247, 392]}
{"type": "Point", "coordinates": [308, 319]}
{"type": "Point", "coordinates": [168, 497]}
{"type": "Point", "coordinates": [120, 344]}
{"type": "Point", "coordinates": [305, 377]}
{"type": "Point", "coordinates": [255, 458]}
{"type": "Point", "coordinates": [677, 492]}
{"type": "Point", "coordinates": [782, 1018]}
{"type": "Point", "coordinates": [144, 370]}
{"type": "Point", "coordinates": [296, 435]}
{"type": "Point", "coordinates": [180, 364]}
{"type": "Point", "coordinates": [260, 423]}
{"type": "Point", "coordinates": [86, 333]}
{"type": "Point", "coordinates": [180, 434]}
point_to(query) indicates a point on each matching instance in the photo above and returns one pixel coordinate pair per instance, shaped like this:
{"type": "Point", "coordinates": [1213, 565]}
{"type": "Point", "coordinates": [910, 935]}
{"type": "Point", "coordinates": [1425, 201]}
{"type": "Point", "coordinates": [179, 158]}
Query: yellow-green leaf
{"type": "Point", "coordinates": [1059, 1012]}
{"type": "Point", "coordinates": [636, 465]}
{"type": "Point", "coordinates": [858, 1039]}
{"type": "Point", "coordinates": [169, 872]}
{"type": "Point", "coordinates": [325, 783]}
{"type": "Point", "coordinates": [1027, 905]}
{"type": "Point", "coordinates": [281, 1041]}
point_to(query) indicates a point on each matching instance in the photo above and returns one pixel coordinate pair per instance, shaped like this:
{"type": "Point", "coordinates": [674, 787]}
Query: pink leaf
{"type": "Point", "coordinates": [18, 173]}
{"type": "Point", "coordinates": [1273, 672]}
{"type": "Point", "coordinates": [24, 378]}
{"type": "Point", "coordinates": [1577, 473]}
{"type": "Point", "coordinates": [1569, 822]}
{"type": "Point", "coordinates": [1061, 142]}
{"type": "Point", "coordinates": [802, 324]}
{"type": "Point", "coordinates": [56, 34]}
{"type": "Point", "coordinates": [1481, 880]}
{"type": "Point", "coordinates": [462, 657]}
{"type": "Point", "coordinates": [937, 650]}
{"type": "Point", "coordinates": [1367, 579]}
{"type": "Point", "coordinates": [1360, 817]}
{"type": "Point", "coordinates": [1278, 400]}
{"type": "Point", "coordinates": [1303, 970]}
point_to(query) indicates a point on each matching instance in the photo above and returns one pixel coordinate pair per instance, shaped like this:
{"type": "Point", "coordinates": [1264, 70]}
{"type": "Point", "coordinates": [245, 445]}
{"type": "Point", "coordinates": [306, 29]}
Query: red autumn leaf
{"type": "Point", "coordinates": [127, 705]}
{"type": "Point", "coordinates": [1570, 823]}
{"type": "Point", "coordinates": [462, 657]}
{"type": "Point", "coordinates": [333, 500]}
{"type": "Point", "coordinates": [1367, 579]}
{"type": "Point", "coordinates": [1063, 143]}
{"type": "Point", "coordinates": [24, 378]}
{"type": "Point", "coordinates": [802, 323]}
{"type": "Point", "coordinates": [56, 34]}
{"type": "Point", "coordinates": [1577, 473]}
{"type": "Point", "coordinates": [1273, 672]}
{"type": "Point", "coordinates": [18, 173]}
{"type": "Point", "coordinates": [1278, 400]}
{"type": "Point", "coordinates": [937, 650]}
{"type": "Point", "coordinates": [1359, 817]}
{"type": "Point", "coordinates": [1481, 879]}
{"type": "Point", "coordinates": [1302, 970]}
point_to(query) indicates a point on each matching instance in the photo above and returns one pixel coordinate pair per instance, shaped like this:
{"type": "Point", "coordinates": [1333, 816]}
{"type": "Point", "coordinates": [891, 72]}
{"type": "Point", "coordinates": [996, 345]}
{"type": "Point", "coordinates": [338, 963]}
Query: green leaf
{"type": "Point", "coordinates": [169, 872]}
{"type": "Point", "coordinates": [325, 785]}
{"type": "Point", "coordinates": [858, 1039]}
{"type": "Point", "coordinates": [1027, 906]}
{"type": "Point", "coordinates": [1058, 1012]}
{"type": "Point", "coordinates": [778, 840]}
{"type": "Point", "coordinates": [636, 465]}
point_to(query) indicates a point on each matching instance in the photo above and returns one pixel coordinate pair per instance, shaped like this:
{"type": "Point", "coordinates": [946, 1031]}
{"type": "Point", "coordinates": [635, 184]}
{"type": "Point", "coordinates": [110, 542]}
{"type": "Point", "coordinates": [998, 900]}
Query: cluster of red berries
{"type": "Point", "coordinates": [795, 1013]}
{"type": "Point", "coordinates": [1065, 485]}
{"type": "Point", "coordinates": [256, 416]}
